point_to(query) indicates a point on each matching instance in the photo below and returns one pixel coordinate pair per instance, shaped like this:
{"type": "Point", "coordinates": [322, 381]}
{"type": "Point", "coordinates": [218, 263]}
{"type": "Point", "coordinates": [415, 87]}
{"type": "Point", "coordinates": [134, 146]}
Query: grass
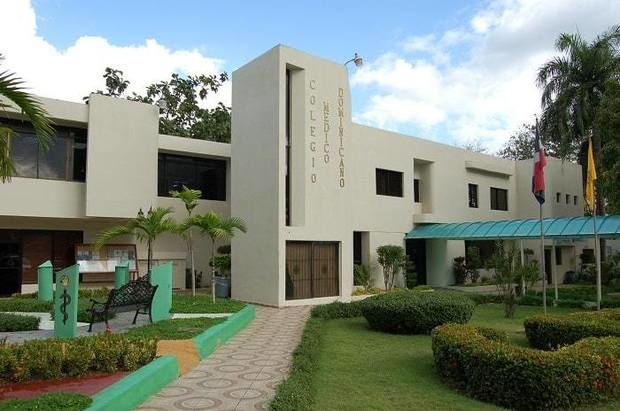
{"type": "Point", "coordinates": [178, 329]}
{"type": "Point", "coordinates": [53, 401]}
{"type": "Point", "coordinates": [201, 303]}
{"type": "Point", "coordinates": [347, 366]}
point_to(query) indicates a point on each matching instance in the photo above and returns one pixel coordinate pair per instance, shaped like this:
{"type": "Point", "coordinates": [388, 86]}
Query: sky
{"type": "Point", "coordinates": [454, 71]}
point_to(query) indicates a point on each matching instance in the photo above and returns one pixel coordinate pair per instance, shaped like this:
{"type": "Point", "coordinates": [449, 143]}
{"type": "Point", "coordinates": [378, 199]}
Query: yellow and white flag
{"type": "Point", "coordinates": [590, 195]}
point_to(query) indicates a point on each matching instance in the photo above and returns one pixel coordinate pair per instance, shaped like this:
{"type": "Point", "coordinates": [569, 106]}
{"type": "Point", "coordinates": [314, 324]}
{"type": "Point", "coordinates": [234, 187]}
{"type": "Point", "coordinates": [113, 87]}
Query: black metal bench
{"type": "Point", "coordinates": [135, 295]}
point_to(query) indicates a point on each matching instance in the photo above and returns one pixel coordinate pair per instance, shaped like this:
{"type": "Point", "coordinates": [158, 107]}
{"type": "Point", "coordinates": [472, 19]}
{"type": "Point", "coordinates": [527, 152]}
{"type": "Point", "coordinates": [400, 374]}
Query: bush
{"type": "Point", "coordinates": [337, 310]}
{"type": "Point", "coordinates": [361, 275]}
{"type": "Point", "coordinates": [551, 331]}
{"type": "Point", "coordinates": [16, 322]}
{"type": "Point", "coordinates": [525, 379]}
{"type": "Point", "coordinates": [25, 305]}
{"type": "Point", "coordinates": [296, 392]}
{"type": "Point", "coordinates": [53, 358]}
{"type": "Point", "coordinates": [53, 402]}
{"type": "Point", "coordinates": [407, 312]}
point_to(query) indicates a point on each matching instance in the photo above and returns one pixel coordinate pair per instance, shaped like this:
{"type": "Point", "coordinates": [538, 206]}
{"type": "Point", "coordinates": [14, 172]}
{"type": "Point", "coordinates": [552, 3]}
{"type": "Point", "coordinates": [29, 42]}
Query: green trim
{"type": "Point", "coordinates": [134, 389]}
{"type": "Point", "coordinates": [137, 387]}
{"type": "Point", "coordinates": [208, 341]}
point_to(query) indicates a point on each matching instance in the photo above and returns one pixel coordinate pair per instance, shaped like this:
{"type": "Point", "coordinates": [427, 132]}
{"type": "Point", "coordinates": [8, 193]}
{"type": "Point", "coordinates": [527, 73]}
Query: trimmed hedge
{"type": "Point", "coordinates": [50, 402]}
{"type": "Point", "coordinates": [525, 379]}
{"type": "Point", "coordinates": [16, 322]}
{"type": "Point", "coordinates": [54, 358]}
{"type": "Point", "coordinates": [407, 312]}
{"type": "Point", "coordinates": [296, 392]}
{"type": "Point", "coordinates": [551, 331]}
{"type": "Point", "coordinates": [337, 310]}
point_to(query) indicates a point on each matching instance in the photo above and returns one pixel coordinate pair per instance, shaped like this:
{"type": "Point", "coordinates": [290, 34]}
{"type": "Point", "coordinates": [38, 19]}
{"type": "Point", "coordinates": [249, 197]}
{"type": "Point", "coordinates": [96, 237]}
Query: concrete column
{"type": "Point", "coordinates": [121, 274]}
{"type": "Point", "coordinates": [45, 274]}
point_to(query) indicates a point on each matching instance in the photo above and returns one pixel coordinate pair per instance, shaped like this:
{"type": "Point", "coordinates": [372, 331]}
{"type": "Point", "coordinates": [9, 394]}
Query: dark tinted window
{"type": "Point", "coordinates": [499, 199]}
{"type": "Point", "coordinates": [416, 190]}
{"type": "Point", "coordinates": [473, 195]}
{"type": "Point", "coordinates": [389, 183]}
{"type": "Point", "coordinates": [65, 158]}
{"type": "Point", "coordinates": [204, 174]}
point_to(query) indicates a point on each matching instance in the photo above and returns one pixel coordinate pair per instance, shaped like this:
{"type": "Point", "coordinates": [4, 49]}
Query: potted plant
{"type": "Point", "coordinates": [221, 264]}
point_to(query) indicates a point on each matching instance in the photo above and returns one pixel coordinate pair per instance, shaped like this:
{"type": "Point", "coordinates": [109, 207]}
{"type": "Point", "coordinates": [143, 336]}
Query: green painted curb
{"type": "Point", "coordinates": [208, 341]}
{"type": "Point", "coordinates": [134, 389]}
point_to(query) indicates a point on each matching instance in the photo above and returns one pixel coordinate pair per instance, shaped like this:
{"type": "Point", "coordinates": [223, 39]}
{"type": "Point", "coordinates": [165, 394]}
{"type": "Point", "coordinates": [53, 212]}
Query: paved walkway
{"type": "Point", "coordinates": [243, 373]}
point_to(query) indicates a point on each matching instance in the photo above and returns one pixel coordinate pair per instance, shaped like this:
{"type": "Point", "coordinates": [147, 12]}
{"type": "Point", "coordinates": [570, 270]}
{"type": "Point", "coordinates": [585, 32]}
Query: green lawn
{"type": "Point", "coordinates": [363, 369]}
{"type": "Point", "coordinates": [178, 329]}
{"type": "Point", "coordinates": [201, 303]}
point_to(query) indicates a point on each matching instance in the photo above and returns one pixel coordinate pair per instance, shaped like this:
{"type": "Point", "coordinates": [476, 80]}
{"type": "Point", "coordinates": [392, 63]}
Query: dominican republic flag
{"type": "Point", "coordinates": [540, 161]}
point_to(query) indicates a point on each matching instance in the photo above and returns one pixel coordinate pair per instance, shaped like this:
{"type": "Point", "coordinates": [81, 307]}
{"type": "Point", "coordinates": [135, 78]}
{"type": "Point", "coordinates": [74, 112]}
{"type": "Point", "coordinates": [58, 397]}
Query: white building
{"type": "Point", "coordinates": [317, 191]}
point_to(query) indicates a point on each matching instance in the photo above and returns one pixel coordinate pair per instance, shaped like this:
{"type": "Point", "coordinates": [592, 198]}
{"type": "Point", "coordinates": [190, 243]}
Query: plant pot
{"type": "Point", "coordinates": [222, 287]}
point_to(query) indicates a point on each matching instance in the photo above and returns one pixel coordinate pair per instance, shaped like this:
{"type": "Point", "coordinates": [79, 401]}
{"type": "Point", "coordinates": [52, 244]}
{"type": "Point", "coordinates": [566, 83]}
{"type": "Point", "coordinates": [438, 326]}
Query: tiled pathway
{"type": "Point", "coordinates": [243, 373]}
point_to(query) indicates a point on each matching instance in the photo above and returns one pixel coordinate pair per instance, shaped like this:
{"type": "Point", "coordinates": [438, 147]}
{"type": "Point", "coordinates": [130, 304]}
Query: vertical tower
{"type": "Point", "coordinates": [291, 132]}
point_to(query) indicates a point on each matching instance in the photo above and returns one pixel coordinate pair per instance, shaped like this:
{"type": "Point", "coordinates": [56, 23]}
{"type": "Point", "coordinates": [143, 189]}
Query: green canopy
{"type": "Point", "coordinates": [564, 227]}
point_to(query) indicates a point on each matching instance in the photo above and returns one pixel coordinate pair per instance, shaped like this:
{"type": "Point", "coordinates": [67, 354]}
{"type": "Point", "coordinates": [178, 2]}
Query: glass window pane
{"type": "Point", "coordinates": [53, 161]}
{"type": "Point", "coordinates": [24, 154]}
{"type": "Point", "coordinates": [180, 171]}
{"type": "Point", "coordinates": [79, 159]}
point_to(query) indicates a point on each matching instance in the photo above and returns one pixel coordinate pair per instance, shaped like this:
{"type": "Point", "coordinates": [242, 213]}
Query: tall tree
{"type": "Point", "coordinates": [607, 122]}
{"type": "Point", "coordinates": [190, 199]}
{"type": "Point", "coordinates": [144, 227]}
{"type": "Point", "coordinates": [573, 86]}
{"type": "Point", "coordinates": [13, 93]}
{"type": "Point", "coordinates": [217, 227]}
{"type": "Point", "coordinates": [520, 145]}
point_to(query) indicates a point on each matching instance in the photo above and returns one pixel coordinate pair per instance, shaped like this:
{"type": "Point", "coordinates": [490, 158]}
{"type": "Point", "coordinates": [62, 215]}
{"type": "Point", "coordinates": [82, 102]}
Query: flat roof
{"type": "Point", "coordinates": [563, 227]}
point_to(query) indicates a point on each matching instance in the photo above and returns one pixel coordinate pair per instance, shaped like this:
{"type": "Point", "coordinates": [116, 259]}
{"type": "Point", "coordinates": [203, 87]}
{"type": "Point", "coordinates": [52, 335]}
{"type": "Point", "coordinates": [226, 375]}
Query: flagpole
{"type": "Point", "coordinates": [597, 256]}
{"type": "Point", "coordinates": [542, 259]}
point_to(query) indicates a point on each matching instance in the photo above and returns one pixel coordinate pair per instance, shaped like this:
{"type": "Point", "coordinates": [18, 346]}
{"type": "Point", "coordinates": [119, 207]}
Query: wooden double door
{"type": "Point", "coordinates": [312, 269]}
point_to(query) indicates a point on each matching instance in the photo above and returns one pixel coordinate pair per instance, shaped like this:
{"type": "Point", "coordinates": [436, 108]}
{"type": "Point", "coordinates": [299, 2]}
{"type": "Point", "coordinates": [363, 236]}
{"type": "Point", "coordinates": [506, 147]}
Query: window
{"type": "Point", "coordinates": [389, 183]}
{"type": "Point", "coordinates": [204, 174]}
{"type": "Point", "coordinates": [557, 197]}
{"type": "Point", "coordinates": [499, 199]}
{"type": "Point", "coordinates": [473, 195]}
{"type": "Point", "coordinates": [558, 256]}
{"type": "Point", "coordinates": [65, 158]}
{"type": "Point", "coordinates": [567, 198]}
{"type": "Point", "coordinates": [574, 200]}
{"type": "Point", "coordinates": [416, 190]}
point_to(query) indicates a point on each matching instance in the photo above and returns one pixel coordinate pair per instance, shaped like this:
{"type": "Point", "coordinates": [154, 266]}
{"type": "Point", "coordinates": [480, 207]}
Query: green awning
{"type": "Point", "coordinates": [564, 227]}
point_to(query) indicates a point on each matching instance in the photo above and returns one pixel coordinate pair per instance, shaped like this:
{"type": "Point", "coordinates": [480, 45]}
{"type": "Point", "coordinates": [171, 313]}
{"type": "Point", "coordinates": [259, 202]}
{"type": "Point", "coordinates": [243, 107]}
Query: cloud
{"type": "Point", "coordinates": [75, 71]}
{"type": "Point", "coordinates": [475, 82]}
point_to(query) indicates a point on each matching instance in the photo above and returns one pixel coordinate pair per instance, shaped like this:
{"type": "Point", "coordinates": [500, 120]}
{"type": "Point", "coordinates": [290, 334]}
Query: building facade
{"type": "Point", "coordinates": [318, 192]}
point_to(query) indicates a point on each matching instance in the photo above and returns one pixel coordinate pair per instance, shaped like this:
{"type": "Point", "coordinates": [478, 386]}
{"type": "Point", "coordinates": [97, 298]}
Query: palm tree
{"type": "Point", "coordinates": [217, 228]}
{"type": "Point", "coordinates": [13, 93]}
{"type": "Point", "coordinates": [573, 86]}
{"type": "Point", "coordinates": [144, 227]}
{"type": "Point", "coordinates": [190, 200]}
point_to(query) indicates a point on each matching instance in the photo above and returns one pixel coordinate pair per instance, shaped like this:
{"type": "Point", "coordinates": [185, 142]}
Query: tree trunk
{"type": "Point", "coordinates": [212, 271]}
{"type": "Point", "coordinates": [191, 258]}
{"type": "Point", "coordinates": [149, 258]}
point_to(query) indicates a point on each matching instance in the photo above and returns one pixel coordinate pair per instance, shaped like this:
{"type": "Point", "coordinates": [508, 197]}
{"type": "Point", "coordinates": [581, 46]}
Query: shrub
{"type": "Point", "coordinates": [393, 260]}
{"type": "Point", "coordinates": [407, 312]}
{"type": "Point", "coordinates": [421, 288]}
{"type": "Point", "coordinates": [53, 358]}
{"type": "Point", "coordinates": [552, 331]}
{"type": "Point", "coordinates": [296, 392]}
{"type": "Point", "coordinates": [361, 275]}
{"type": "Point", "coordinates": [524, 379]}
{"type": "Point", "coordinates": [337, 310]}
{"type": "Point", "coordinates": [52, 402]}
{"type": "Point", "coordinates": [16, 322]}
{"type": "Point", "coordinates": [25, 305]}
{"type": "Point", "coordinates": [460, 270]}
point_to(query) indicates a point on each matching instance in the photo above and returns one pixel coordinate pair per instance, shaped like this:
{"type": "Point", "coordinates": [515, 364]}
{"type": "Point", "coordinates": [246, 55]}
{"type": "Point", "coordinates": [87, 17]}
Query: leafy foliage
{"type": "Point", "coordinates": [16, 322]}
{"type": "Point", "coordinates": [476, 362]}
{"type": "Point", "coordinates": [549, 332]}
{"type": "Point", "coordinates": [607, 122]}
{"type": "Point", "coordinates": [57, 401]}
{"type": "Point", "coordinates": [393, 260]}
{"type": "Point", "coordinates": [190, 198]}
{"type": "Point", "coordinates": [181, 100]}
{"type": "Point", "coordinates": [506, 277]}
{"type": "Point", "coordinates": [337, 310]}
{"type": "Point", "coordinates": [12, 88]}
{"type": "Point", "coordinates": [362, 275]}
{"type": "Point", "coordinates": [52, 358]}
{"type": "Point", "coordinates": [520, 145]}
{"type": "Point", "coordinates": [144, 227]}
{"type": "Point", "coordinates": [409, 312]}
